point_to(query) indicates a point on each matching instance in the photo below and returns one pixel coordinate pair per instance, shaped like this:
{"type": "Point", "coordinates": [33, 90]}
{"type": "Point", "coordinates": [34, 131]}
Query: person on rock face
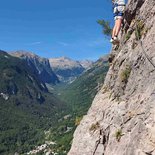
{"type": "Point", "coordinates": [118, 10]}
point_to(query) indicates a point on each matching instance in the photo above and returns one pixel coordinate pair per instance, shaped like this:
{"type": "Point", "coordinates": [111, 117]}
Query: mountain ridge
{"type": "Point", "coordinates": [53, 70]}
{"type": "Point", "coordinates": [67, 69]}
{"type": "Point", "coordinates": [40, 66]}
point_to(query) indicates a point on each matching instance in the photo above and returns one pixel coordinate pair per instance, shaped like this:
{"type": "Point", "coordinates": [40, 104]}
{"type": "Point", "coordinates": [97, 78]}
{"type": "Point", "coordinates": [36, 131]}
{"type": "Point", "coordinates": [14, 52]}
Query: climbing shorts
{"type": "Point", "coordinates": [119, 11]}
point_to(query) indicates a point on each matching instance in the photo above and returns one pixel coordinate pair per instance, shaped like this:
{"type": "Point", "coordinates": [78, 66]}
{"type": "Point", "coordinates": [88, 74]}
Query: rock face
{"type": "Point", "coordinates": [121, 120]}
{"type": "Point", "coordinates": [67, 69]}
{"type": "Point", "coordinates": [40, 66]}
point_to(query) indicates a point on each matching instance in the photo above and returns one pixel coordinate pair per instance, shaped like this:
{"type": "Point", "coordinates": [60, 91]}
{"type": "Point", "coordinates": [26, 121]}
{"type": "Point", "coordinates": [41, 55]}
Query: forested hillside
{"type": "Point", "coordinates": [27, 109]}
{"type": "Point", "coordinates": [78, 97]}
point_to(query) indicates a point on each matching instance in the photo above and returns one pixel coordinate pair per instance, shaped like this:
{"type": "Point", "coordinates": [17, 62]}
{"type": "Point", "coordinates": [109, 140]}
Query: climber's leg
{"type": "Point", "coordinates": [114, 30]}
{"type": "Point", "coordinates": [118, 24]}
{"type": "Point", "coordinates": [118, 16]}
{"type": "Point", "coordinates": [113, 34]}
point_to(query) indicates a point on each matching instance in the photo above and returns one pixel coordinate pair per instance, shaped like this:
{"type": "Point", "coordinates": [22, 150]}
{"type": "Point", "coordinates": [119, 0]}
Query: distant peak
{"type": "Point", "coordinates": [62, 58]}
{"type": "Point", "coordinates": [22, 53]}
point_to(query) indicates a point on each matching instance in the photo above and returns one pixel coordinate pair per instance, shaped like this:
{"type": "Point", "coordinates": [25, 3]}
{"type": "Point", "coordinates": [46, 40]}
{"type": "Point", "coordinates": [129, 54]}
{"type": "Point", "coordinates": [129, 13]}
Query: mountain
{"type": "Point", "coordinates": [86, 63]}
{"type": "Point", "coordinates": [121, 120]}
{"type": "Point", "coordinates": [81, 92]}
{"type": "Point", "coordinates": [67, 69]}
{"type": "Point", "coordinates": [78, 96]}
{"type": "Point", "coordinates": [40, 66]}
{"type": "Point", "coordinates": [27, 109]}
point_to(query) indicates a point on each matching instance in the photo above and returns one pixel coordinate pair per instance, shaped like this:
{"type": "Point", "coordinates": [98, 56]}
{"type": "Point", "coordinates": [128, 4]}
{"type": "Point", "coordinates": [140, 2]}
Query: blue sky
{"type": "Point", "coordinates": [54, 28]}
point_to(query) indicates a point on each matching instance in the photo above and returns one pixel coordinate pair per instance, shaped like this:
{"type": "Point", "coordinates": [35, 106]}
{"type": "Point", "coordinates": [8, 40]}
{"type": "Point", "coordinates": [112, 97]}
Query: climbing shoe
{"type": "Point", "coordinates": [116, 40]}
{"type": "Point", "coordinates": [112, 40]}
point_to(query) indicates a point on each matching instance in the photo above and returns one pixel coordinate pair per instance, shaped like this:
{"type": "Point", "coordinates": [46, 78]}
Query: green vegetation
{"type": "Point", "coordinates": [30, 109]}
{"type": "Point", "coordinates": [125, 74]}
{"type": "Point", "coordinates": [63, 142]}
{"type": "Point", "coordinates": [139, 29]}
{"type": "Point", "coordinates": [106, 27]}
{"type": "Point", "coordinates": [118, 135]}
{"type": "Point", "coordinates": [81, 92]}
{"type": "Point", "coordinates": [78, 96]}
{"type": "Point", "coordinates": [78, 120]}
{"type": "Point", "coordinates": [128, 35]}
{"type": "Point", "coordinates": [94, 127]}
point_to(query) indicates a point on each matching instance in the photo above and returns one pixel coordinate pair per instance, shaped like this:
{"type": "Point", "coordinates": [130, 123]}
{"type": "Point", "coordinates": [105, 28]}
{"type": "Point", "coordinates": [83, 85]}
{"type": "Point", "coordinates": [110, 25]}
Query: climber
{"type": "Point", "coordinates": [118, 10]}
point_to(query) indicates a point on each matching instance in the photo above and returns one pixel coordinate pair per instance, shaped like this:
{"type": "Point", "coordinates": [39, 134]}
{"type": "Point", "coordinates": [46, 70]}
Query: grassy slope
{"type": "Point", "coordinates": [81, 92]}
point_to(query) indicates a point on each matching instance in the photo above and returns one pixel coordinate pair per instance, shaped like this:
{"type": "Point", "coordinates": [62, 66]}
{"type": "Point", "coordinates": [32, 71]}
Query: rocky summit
{"type": "Point", "coordinates": [67, 69]}
{"type": "Point", "coordinates": [121, 120]}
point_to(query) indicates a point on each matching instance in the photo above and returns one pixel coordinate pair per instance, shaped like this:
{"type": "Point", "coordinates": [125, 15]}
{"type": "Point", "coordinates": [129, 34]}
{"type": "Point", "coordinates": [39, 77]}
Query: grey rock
{"type": "Point", "coordinates": [125, 107]}
{"type": "Point", "coordinates": [66, 69]}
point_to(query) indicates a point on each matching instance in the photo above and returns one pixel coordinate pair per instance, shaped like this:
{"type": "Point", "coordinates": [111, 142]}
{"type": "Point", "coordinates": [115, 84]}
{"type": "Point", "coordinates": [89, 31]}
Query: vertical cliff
{"type": "Point", "coordinates": [40, 66]}
{"type": "Point", "coordinates": [121, 120]}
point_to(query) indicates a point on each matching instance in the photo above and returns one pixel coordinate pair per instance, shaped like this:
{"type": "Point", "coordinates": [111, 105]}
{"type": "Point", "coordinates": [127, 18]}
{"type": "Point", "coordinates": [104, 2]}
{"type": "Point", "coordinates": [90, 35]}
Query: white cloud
{"type": "Point", "coordinates": [34, 43]}
{"type": "Point", "coordinates": [63, 43]}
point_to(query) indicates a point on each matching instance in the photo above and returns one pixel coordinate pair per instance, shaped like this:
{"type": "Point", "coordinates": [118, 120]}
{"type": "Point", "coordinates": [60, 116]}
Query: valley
{"type": "Point", "coordinates": [41, 113]}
